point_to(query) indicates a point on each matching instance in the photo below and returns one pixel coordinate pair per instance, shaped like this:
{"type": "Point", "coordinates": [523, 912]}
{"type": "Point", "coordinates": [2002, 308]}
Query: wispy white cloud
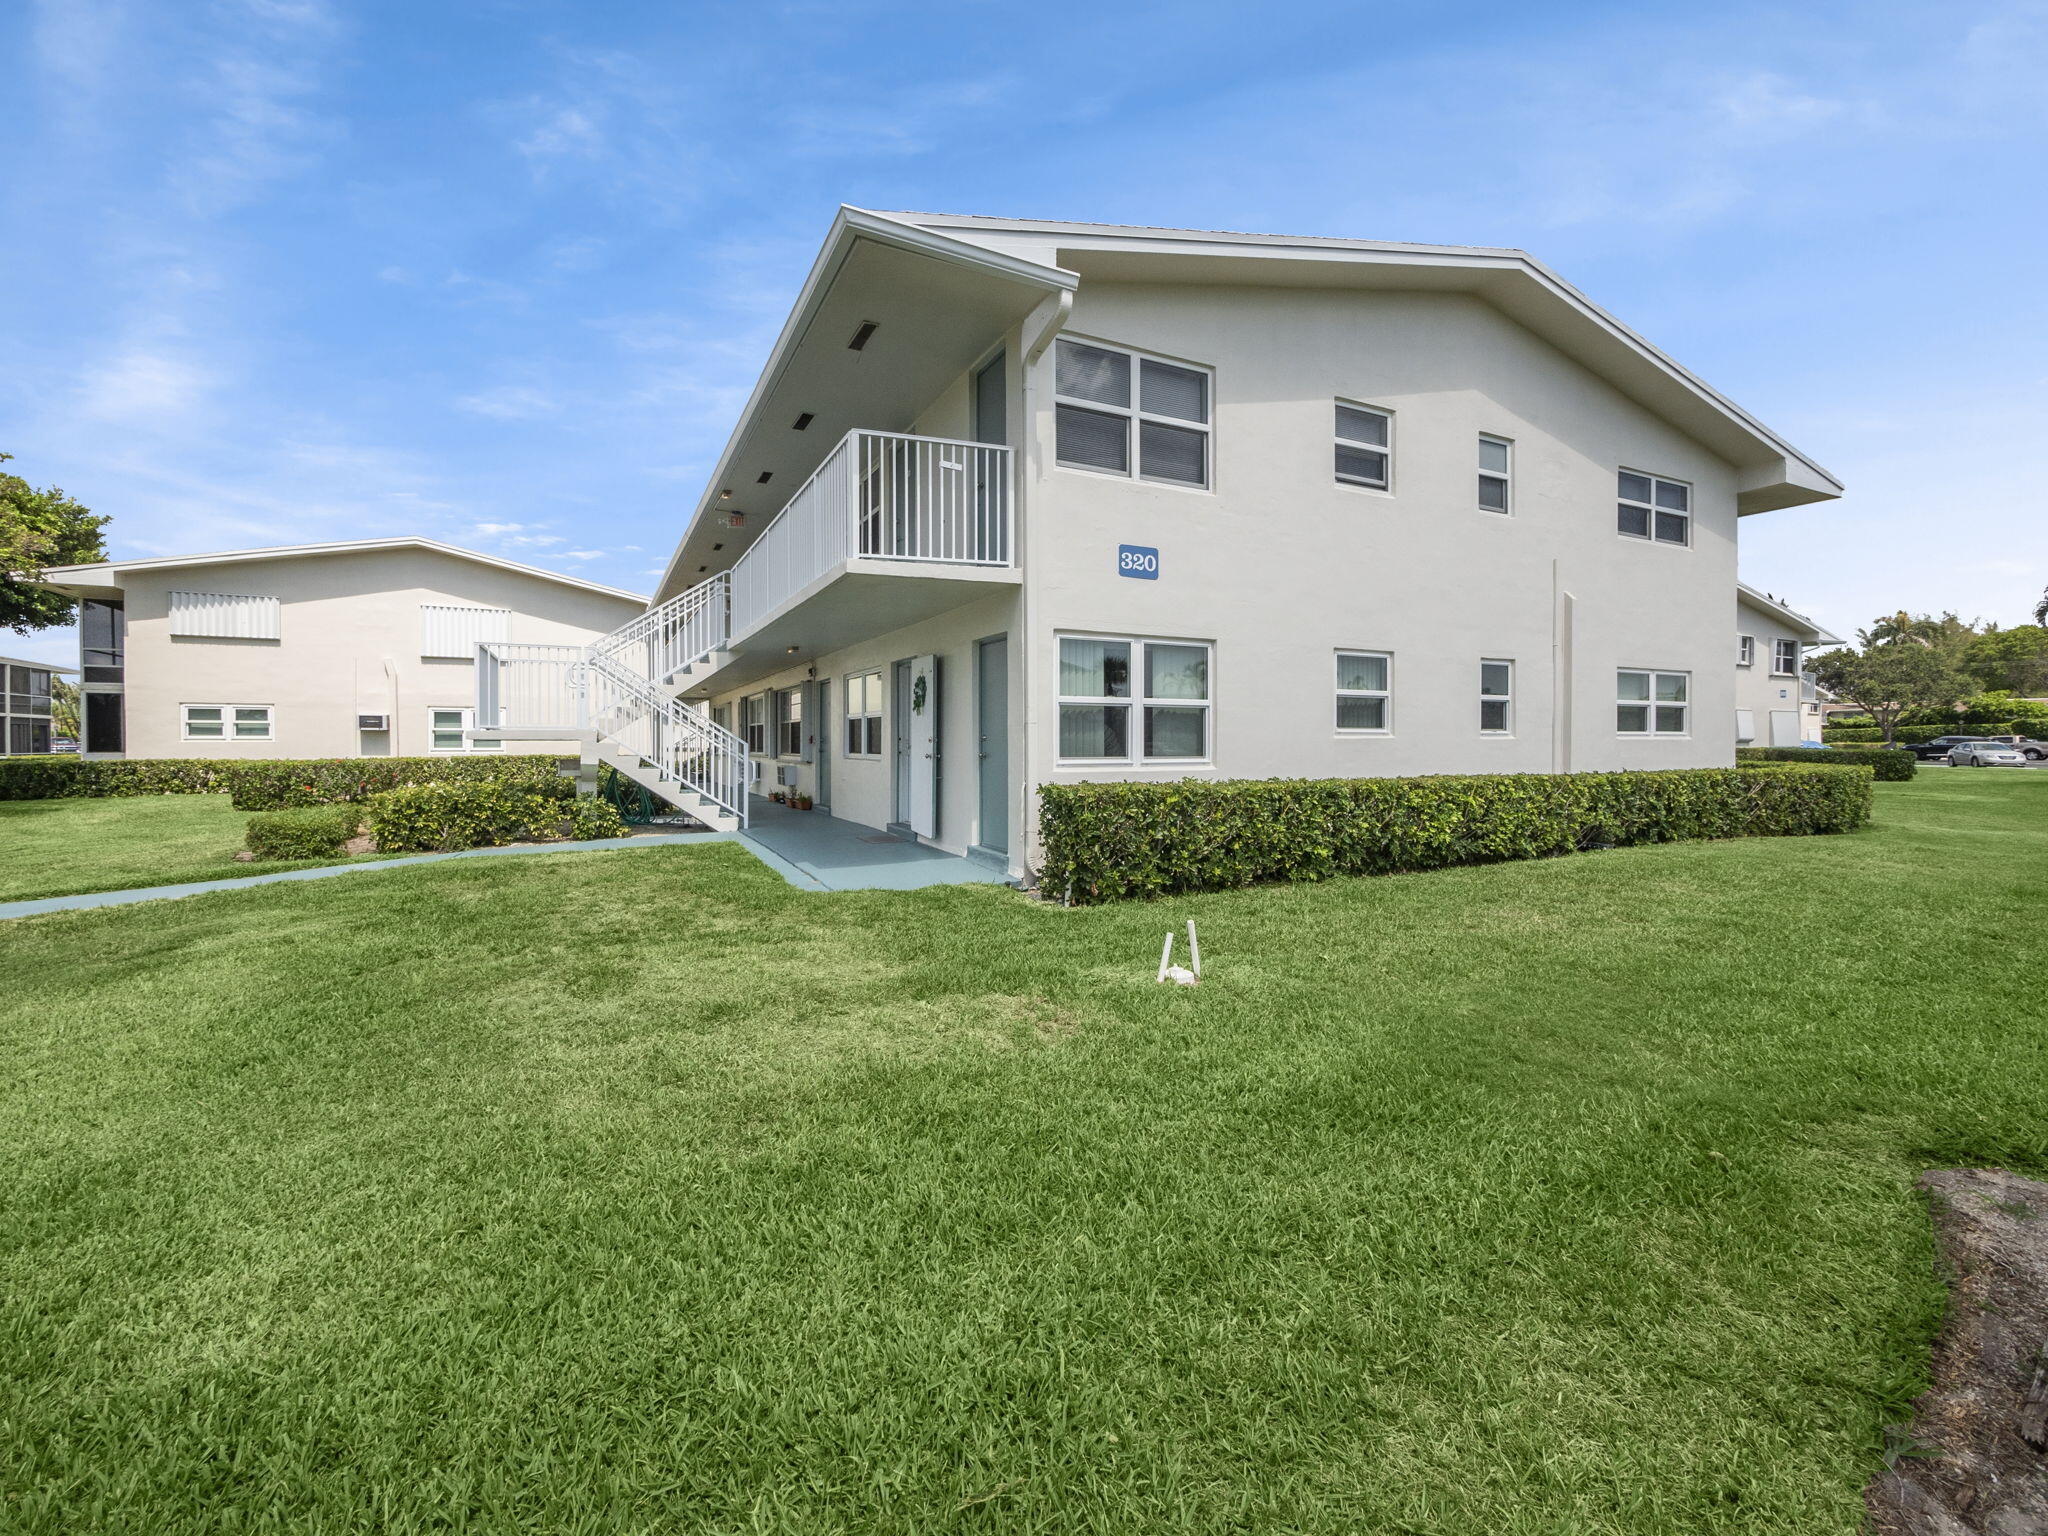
{"type": "Point", "coordinates": [509, 402]}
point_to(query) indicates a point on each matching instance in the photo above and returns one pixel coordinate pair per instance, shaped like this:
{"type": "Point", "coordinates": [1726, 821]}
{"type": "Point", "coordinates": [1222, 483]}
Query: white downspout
{"type": "Point", "coordinates": [1040, 327]}
{"type": "Point", "coordinates": [391, 672]}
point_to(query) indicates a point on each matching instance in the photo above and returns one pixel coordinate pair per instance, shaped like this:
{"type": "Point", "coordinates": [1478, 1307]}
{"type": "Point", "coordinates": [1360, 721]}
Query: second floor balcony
{"type": "Point", "coordinates": [889, 530]}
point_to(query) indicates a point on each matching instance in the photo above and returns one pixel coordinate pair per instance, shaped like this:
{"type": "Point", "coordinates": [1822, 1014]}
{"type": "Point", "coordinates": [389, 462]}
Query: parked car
{"type": "Point", "coordinates": [2026, 746]}
{"type": "Point", "coordinates": [1940, 747]}
{"type": "Point", "coordinates": [1986, 754]}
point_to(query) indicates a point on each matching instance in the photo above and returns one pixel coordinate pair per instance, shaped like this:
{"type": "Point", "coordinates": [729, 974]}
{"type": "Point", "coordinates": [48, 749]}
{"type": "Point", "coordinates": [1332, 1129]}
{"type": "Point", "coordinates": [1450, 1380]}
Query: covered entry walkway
{"type": "Point", "coordinates": [821, 852]}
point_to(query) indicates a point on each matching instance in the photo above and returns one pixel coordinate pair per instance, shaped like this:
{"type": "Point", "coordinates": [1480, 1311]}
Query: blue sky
{"type": "Point", "coordinates": [502, 272]}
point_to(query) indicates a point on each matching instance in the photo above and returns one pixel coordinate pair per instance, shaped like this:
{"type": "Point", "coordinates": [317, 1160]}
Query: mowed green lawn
{"type": "Point", "coordinates": [639, 1192]}
{"type": "Point", "coordinates": [65, 847]}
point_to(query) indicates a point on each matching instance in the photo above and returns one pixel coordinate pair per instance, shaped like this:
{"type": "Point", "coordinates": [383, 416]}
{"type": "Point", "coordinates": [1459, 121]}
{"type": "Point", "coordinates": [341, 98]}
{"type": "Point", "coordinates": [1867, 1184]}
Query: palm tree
{"type": "Point", "coordinates": [2041, 609]}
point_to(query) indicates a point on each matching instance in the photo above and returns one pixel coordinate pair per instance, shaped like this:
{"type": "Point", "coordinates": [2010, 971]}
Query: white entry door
{"type": "Point", "coordinates": [1785, 728]}
{"type": "Point", "coordinates": [923, 765]}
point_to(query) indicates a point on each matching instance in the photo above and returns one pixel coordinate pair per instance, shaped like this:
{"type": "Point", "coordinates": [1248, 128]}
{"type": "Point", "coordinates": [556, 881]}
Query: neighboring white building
{"type": "Point", "coordinates": [26, 703]}
{"type": "Point", "coordinates": [1018, 503]}
{"type": "Point", "coordinates": [358, 649]}
{"type": "Point", "coordinates": [1776, 703]}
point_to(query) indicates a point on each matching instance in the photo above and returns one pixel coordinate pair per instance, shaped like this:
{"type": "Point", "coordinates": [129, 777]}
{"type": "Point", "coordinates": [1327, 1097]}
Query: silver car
{"type": "Point", "coordinates": [1986, 754]}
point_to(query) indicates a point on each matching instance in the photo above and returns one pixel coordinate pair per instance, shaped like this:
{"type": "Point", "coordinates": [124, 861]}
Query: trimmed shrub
{"type": "Point", "coordinates": [316, 832]}
{"type": "Point", "coordinates": [1890, 765]}
{"type": "Point", "coordinates": [444, 817]}
{"type": "Point", "coordinates": [69, 778]}
{"type": "Point", "coordinates": [590, 818]}
{"type": "Point", "coordinates": [280, 784]}
{"type": "Point", "coordinates": [1114, 841]}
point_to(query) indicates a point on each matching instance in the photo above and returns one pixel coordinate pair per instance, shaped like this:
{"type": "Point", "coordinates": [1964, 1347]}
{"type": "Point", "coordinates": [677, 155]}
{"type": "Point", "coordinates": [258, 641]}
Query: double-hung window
{"type": "Point", "coordinates": [1365, 692]}
{"type": "Point", "coordinates": [1365, 447]}
{"type": "Point", "coordinates": [227, 722]}
{"type": "Point", "coordinates": [1745, 650]}
{"type": "Point", "coordinates": [1784, 658]}
{"type": "Point", "coordinates": [789, 722]}
{"type": "Point", "coordinates": [864, 714]}
{"type": "Point", "coordinates": [447, 728]}
{"type": "Point", "coordinates": [1107, 396]}
{"type": "Point", "coordinates": [1652, 703]}
{"type": "Point", "coordinates": [1103, 681]}
{"type": "Point", "coordinates": [754, 722]}
{"type": "Point", "coordinates": [1651, 508]}
{"type": "Point", "coordinates": [1494, 473]}
{"type": "Point", "coordinates": [1496, 698]}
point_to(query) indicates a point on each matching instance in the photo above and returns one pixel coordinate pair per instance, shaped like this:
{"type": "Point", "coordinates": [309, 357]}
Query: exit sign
{"type": "Point", "coordinates": [1137, 562]}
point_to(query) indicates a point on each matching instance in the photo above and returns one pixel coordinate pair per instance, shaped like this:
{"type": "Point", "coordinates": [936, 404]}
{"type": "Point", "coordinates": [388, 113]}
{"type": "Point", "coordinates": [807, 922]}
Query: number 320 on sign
{"type": "Point", "coordinates": [1136, 561]}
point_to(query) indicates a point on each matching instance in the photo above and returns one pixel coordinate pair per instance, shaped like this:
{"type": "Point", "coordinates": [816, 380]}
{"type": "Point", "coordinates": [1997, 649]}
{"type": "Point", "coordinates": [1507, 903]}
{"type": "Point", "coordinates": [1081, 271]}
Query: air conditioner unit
{"type": "Point", "coordinates": [373, 722]}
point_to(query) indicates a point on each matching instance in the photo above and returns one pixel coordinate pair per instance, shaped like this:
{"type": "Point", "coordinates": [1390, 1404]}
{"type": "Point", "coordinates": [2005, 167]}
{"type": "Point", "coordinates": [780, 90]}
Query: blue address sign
{"type": "Point", "coordinates": [1137, 562]}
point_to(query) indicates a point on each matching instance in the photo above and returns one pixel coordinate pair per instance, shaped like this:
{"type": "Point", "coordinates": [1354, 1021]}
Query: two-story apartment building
{"type": "Point", "coordinates": [364, 648]}
{"type": "Point", "coordinates": [27, 705]}
{"type": "Point", "coordinates": [1018, 503]}
{"type": "Point", "coordinates": [1776, 704]}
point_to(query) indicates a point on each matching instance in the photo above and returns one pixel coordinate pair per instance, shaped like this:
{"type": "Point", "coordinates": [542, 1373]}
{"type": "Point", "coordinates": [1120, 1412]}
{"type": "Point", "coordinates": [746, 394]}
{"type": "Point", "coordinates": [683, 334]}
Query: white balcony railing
{"type": "Point", "coordinates": [521, 684]}
{"type": "Point", "coordinates": [879, 496]}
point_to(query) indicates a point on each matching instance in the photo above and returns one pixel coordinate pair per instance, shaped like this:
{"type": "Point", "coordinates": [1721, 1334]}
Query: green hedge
{"type": "Point", "coordinates": [68, 778]}
{"type": "Point", "coordinates": [1910, 735]}
{"type": "Point", "coordinates": [1890, 765]}
{"type": "Point", "coordinates": [316, 832]}
{"type": "Point", "coordinates": [440, 818]}
{"type": "Point", "coordinates": [282, 784]}
{"type": "Point", "coordinates": [1113, 841]}
{"type": "Point", "coordinates": [588, 819]}
{"type": "Point", "coordinates": [268, 784]}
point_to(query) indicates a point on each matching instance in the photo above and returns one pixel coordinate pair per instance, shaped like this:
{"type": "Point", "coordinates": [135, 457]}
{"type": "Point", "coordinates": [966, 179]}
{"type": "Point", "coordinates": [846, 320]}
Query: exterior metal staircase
{"type": "Point", "coordinates": [616, 697]}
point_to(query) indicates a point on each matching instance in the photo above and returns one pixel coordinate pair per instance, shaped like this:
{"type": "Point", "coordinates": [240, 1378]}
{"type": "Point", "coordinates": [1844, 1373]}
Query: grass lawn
{"type": "Point", "coordinates": [66, 847]}
{"type": "Point", "coordinates": [640, 1192]}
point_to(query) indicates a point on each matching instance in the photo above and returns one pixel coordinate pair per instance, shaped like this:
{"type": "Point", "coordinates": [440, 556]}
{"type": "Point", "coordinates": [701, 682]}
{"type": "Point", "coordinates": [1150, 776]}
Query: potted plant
{"type": "Point", "coordinates": [778, 797]}
{"type": "Point", "coordinates": [803, 802]}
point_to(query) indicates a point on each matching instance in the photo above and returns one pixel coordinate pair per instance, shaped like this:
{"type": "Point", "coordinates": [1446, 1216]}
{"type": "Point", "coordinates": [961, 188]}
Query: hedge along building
{"type": "Point", "coordinates": [1776, 703]}
{"type": "Point", "coordinates": [357, 649]}
{"type": "Point", "coordinates": [1017, 503]}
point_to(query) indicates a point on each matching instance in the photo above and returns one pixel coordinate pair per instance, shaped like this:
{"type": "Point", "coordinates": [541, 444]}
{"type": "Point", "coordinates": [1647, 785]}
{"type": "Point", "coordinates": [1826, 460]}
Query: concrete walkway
{"type": "Point", "coordinates": [809, 849]}
{"type": "Point", "coordinates": [823, 853]}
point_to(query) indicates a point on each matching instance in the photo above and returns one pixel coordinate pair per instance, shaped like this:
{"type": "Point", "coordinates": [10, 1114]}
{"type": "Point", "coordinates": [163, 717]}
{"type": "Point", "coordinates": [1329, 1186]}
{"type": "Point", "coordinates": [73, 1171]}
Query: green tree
{"type": "Point", "coordinates": [39, 529]}
{"type": "Point", "coordinates": [64, 708]}
{"type": "Point", "coordinates": [1948, 633]}
{"type": "Point", "coordinates": [2010, 660]}
{"type": "Point", "coordinates": [2041, 608]}
{"type": "Point", "coordinates": [1888, 679]}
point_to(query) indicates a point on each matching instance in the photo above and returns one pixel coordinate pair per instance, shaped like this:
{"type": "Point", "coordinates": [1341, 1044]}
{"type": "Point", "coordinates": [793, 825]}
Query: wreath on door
{"type": "Point", "coordinates": [917, 694]}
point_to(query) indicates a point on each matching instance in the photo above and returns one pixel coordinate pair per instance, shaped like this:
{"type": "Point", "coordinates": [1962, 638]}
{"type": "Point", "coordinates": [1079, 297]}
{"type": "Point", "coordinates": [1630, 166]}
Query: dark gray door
{"type": "Point", "coordinates": [992, 688]}
{"type": "Point", "coordinates": [991, 406]}
{"type": "Point", "coordinates": [899, 739]}
{"type": "Point", "coordinates": [826, 741]}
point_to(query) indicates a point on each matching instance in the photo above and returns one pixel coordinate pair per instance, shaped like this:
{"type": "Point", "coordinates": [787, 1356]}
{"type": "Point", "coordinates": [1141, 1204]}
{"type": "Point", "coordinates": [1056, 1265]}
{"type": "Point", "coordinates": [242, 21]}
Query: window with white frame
{"type": "Point", "coordinates": [1784, 658]}
{"type": "Point", "coordinates": [1103, 680]}
{"type": "Point", "coordinates": [1495, 458]}
{"type": "Point", "coordinates": [789, 722]}
{"type": "Point", "coordinates": [1652, 508]}
{"type": "Point", "coordinates": [754, 722]}
{"type": "Point", "coordinates": [1365, 692]}
{"type": "Point", "coordinates": [227, 722]}
{"type": "Point", "coordinates": [1496, 697]}
{"type": "Point", "coordinates": [1652, 703]}
{"type": "Point", "coordinates": [864, 714]}
{"type": "Point", "coordinates": [1107, 396]}
{"type": "Point", "coordinates": [1745, 650]}
{"type": "Point", "coordinates": [1365, 446]}
{"type": "Point", "coordinates": [448, 728]}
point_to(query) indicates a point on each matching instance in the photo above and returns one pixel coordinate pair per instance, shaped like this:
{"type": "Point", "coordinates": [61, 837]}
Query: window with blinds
{"type": "Point", "coordinates": [451, 631]}
{"type": "Point", "coordinates": [224, 616]}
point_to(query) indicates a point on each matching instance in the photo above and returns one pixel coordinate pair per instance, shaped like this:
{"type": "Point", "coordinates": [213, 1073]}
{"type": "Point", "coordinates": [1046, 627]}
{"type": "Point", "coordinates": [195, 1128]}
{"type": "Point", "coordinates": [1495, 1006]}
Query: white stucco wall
{"type": "Point", "coordinates": [1280, 566]}
{"type": "Point", "coordinates": [349, 644]}
{"type": "Point", "coordinates": [1758, 689]}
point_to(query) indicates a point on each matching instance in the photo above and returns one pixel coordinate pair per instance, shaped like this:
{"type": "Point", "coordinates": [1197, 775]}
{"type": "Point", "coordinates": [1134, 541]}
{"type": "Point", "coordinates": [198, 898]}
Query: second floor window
{"type": "Point", "coordinates": [1365, 447]}
{"type": "Point", "coordinates": [1123, 413]}
{"type": "Point", "coordinates": [1493, 473]}
{"type": "Point", "coordinates": [1652, 508]}
{"type": "Point", "coordinates": [1784, 657]}
{"type": "Point", "coordinates": [1745, 650]}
